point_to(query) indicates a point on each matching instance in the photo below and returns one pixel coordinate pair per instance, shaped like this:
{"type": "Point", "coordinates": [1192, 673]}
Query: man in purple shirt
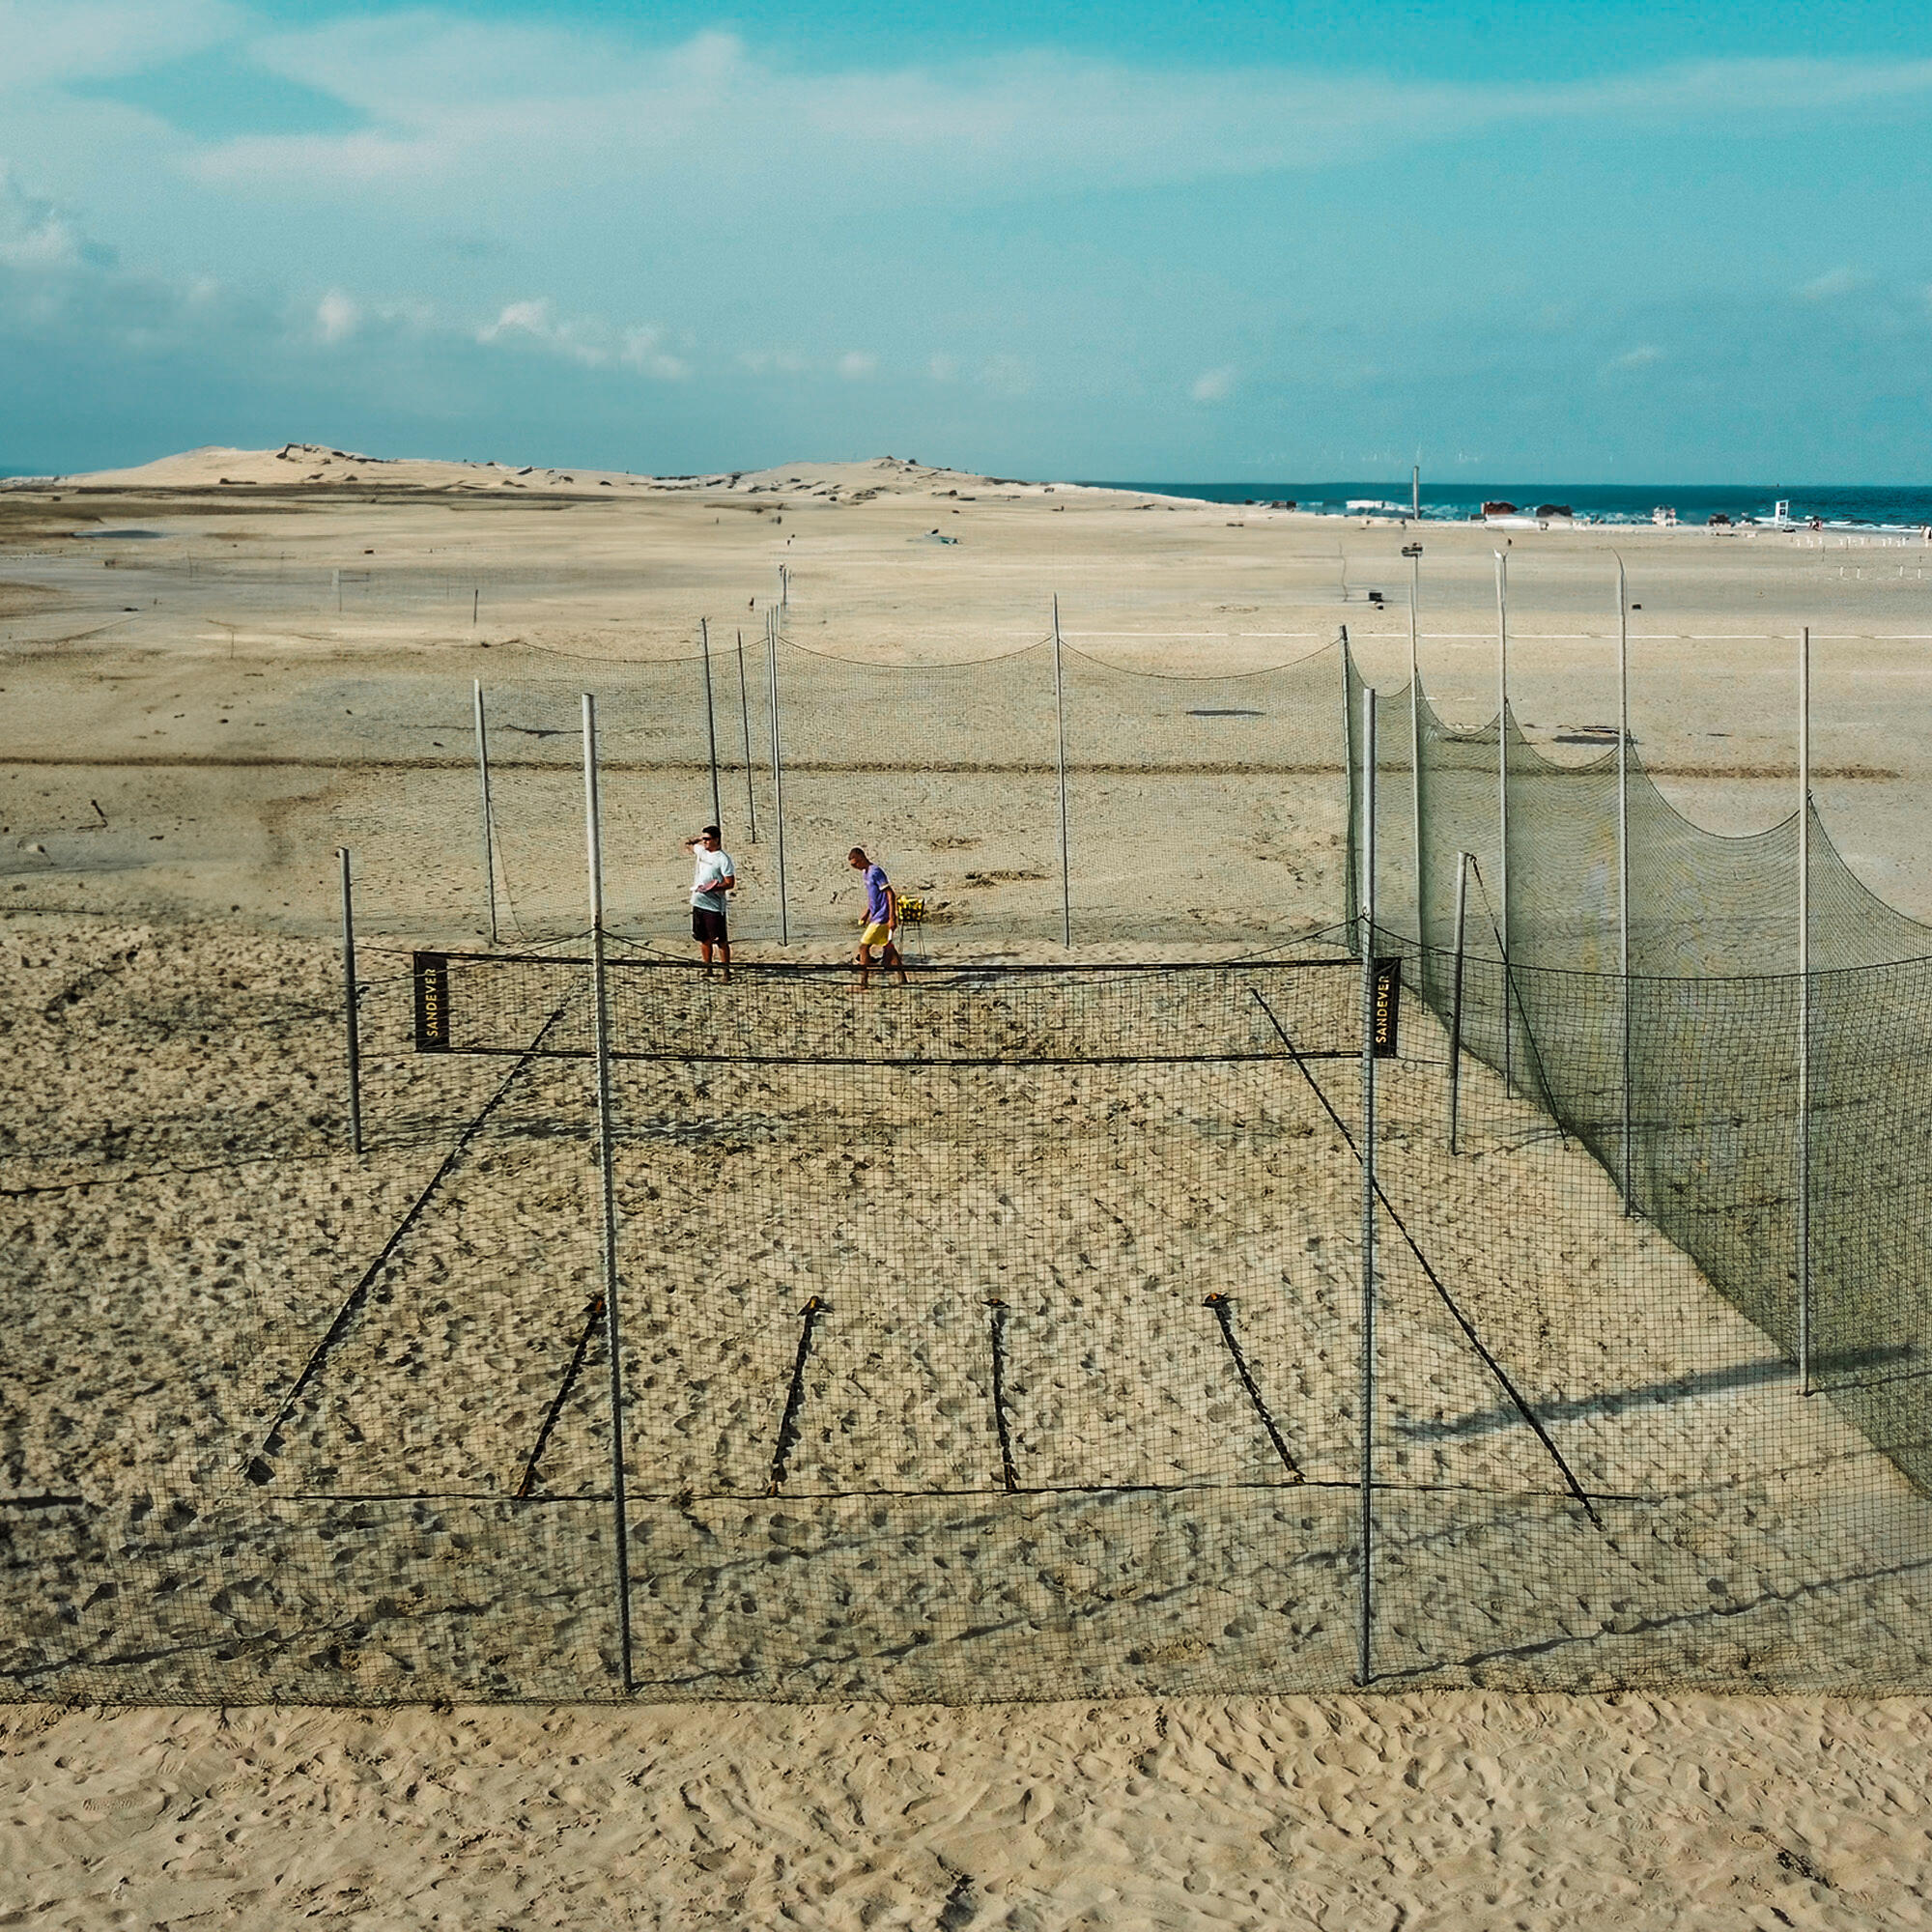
{"type": "Point", "coordinates": [882, 918]}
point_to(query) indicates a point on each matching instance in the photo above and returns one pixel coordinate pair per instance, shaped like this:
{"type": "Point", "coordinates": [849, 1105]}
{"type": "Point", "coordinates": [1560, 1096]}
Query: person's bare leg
{"type": "Point", "coordinates": [724, 958]}
{"type": "Point", "coordinates": [704, 947]}
{"type": "Point", "coordinates": [891, 958]}
{"type": "Point", "coordinates": [863, 959]}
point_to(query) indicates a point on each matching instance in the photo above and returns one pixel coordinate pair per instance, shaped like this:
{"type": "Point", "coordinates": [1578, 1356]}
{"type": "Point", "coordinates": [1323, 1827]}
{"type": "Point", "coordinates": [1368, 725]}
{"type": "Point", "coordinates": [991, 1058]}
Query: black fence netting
{"type": "Point", "coordinates": [996, 1335]}
{"type": "Point", "coordinates": [1769, 1126]}
{"type": "Point", "coordinates": [1191, 801]}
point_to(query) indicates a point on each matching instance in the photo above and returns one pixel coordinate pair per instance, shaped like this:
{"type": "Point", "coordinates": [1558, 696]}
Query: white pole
{"type": "Point", "coordinates": [1503, 801]}
{"type": "Point", "coordinates": [1456, 1001]}
{"type": "Point", "coordinates": [1366, 1392]}
{"type": "Point", "coordinates": [1624, 857]}
{"type": "Point", "coordinates": [711, 726]}
{"type": "Point", "coordinates": [745, 719]}
{"type": "Point", "coordinates": [777, 773]}
{"type": "Point", "coordinates": [353, 1017]}
{"type": "Point", "coordinates": [601, 1024]}
{"type": "Point", "coordinates": [1060, 731]}
{"type": "Point", "coordinates": [1415, 756]}
{"type": "Point", "coordinates": [1351, 882]}
{"type": "Point", "coordinates": [1804, 1011]}
{"type": "Point", "coordinates": [488, 823]}
{"type": "Point", "coordinates": [1415, 493]}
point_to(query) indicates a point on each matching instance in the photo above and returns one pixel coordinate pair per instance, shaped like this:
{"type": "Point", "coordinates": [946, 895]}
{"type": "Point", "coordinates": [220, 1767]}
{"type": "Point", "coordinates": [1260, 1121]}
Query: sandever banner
{"type": "Point", "coordinates": [1388, 1005]}
{"type": "Point", "coordinates": [431, 978]}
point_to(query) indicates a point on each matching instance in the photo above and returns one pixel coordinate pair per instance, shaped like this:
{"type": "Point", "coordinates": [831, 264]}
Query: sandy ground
{"type": "Point", "coordinates": [166, 888]}
{"type": "Point", "coordinates": [1462, 1809]}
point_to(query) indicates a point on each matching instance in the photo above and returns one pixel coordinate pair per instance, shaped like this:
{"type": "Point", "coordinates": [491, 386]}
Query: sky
{"type": "Point", "coordinates": [1601, 241]}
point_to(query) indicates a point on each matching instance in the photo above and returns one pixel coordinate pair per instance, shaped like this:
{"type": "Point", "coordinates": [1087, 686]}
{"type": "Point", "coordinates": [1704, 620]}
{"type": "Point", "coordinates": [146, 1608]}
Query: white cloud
{"type": "Point", "coordinates": [447, 97]}
{"type": "Point", "coordinates": [944, 369]}
{"type": "Point", "coordinates": [856, 365]}
{"type": "Point", "coordinates": [56, 283]}
{"type": "Point", "coordinates": [1832, 284]}
{"type": "Point", "coordinates": [585, 340]}
{"type": "Point", "coordinates": [336, 316]}
{"type": "Point", "coordinates": [1640, 357]}
{"type": "Point", "coordinates": [98, 39]}
{"type": "Point", "coordinates": [535, 323]}
{"type": "Point", "coordinates": [1214, 385]}
{"type": "Point", "coordinates": [644, 350]}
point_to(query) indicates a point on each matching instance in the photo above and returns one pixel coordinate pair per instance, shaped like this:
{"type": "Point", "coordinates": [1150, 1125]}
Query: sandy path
{"type": "Point", "coordinates": [1460, 1809]}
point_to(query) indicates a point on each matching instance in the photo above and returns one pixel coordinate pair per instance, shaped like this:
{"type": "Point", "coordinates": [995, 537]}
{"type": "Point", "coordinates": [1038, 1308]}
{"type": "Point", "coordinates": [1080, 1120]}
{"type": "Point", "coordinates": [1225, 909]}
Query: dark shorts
{"type": "Point", "coordinates": [708, 926]}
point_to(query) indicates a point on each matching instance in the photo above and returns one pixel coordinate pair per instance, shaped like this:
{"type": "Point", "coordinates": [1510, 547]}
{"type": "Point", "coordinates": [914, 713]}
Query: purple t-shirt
{"type": "Point", "coordinates": [877, 902]}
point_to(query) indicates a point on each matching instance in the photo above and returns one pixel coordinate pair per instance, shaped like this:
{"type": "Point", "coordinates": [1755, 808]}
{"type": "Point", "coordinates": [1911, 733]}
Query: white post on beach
{"type": "Point", "coordinates": [711, 725]}
{"type": "Point", "coordinates": [1456, 1001]}
{"type": "Point", "coordinates": [1623, 858]}
{"type": "Point", "coordinates": [351, 1017]}
{"type": "Point", "coordinates": [1415, 493]}
{"type": "Point", "coordinates": [1804, 1011]}
{"type": "Point", "coordinates": [606, 1165]}
{"type": "Point", "coordinates": [1415, 758]}
{"type": "Point", "coordinates": [1351, 887]}
{"type": "Point", "coordinates": [1367, 1394]}
{"type": "Point", "coordinates": [745, 719]}
{"type": "Point", "coordinates": [777, 773]}
{"type": "Point", "coordinates": [1503, 804]}
{"type": "Point", "coordinates": [1060, 731]}
{"type": "Point", "coordinates": [488, 823]}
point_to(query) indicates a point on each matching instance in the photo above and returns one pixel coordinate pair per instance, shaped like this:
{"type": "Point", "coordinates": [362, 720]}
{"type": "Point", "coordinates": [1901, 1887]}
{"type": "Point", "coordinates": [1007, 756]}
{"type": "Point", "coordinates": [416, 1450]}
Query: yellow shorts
{"type": "Point", "coordinates": [877, 933]}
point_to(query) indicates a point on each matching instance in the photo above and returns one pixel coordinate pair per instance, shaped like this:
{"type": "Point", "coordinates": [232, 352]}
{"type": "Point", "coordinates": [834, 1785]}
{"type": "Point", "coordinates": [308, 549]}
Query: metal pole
{"type": "Point", "coordinates": [1060, 731]}
{"type": "Point", "coordinates": [1415, 493]}
{"type": "Point", "coordinates": [1456, 1001]}
{"type": "Point", "coordinates": [778, 774]}
{"type": "Point", "coordinates": [1623, 858]}
{"type": "Point", "coordinates": [349, 1004]}
{"type": "Point", "coordinates": [711, 726]}
{"type": "Point", "coordinates": [1415, 755]}
{"type": "Point", "coordinates": [1805, 1012]}
{"type": "Point", "coordinates": [488, 823]}
{"type": "Point", "coordinates": [745, 719]}
{"type": "Point", "coordinates": [1503, 804]}
{"type": "Point", "coordinates": [601, 1023]}
{"type": "Point", "coordinates": [1351, 898]}
{"type": "Point", "coordinates": [1367, 1395]}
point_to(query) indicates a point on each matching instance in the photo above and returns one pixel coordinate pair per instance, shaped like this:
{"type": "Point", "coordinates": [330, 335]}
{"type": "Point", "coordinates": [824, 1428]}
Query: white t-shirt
{"type": "Point", "coordinates": [712, 867]}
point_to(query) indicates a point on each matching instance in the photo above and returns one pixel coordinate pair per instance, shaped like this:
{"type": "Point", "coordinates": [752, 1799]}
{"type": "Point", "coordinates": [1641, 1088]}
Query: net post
{"type": "Point", "coordinates": [711, 726]}
{"type": "Point", "coordinates": [778, 770]}
{"type": "Point", "coordinates": [601, 1033]}
{"type": "Point", "coordinates": [1060, 741]}
{"type": "Point", "coordinates": [1503, 807]}
{"type": "Point", "coordinates": [1350, 858]}
{"type": "Point", "coordinates": [1456, 1001]}
{"type": "Point", "coordinates": [1415, 749]}
{"type": "Point", "coordinates": [352, 1022]}
{"type": "Point", "coordinates": [1365, 1626]}
{"type": "Point", "coordinates": [489, 822]}
{"type": "Point", "coordinates": [1804, 1011]}
{"type": "Point", "coordinates": [1624, 866]}
{"type": "Point", "coordinates": [745, 719]}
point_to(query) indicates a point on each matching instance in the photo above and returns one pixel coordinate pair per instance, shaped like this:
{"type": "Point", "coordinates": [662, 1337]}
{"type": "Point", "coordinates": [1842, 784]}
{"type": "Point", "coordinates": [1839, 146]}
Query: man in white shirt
{"type": "Point", "coordinates": [709, 883]}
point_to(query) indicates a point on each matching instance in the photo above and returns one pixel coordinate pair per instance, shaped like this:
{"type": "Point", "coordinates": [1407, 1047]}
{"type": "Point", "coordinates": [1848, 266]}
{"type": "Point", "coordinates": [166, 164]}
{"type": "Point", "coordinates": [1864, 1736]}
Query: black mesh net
{"type": "Point", "coordinates": [994, 1336]}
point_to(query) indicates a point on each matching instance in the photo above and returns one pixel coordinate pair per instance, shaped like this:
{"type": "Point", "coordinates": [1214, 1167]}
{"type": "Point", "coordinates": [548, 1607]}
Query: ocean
{"type": "Point", "coordinates": [1838, 506]}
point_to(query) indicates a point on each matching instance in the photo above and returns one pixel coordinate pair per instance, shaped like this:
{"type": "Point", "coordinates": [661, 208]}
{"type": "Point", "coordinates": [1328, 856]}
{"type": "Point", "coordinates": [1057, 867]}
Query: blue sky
{"type": "Point", "coordinates": [1663, 243]}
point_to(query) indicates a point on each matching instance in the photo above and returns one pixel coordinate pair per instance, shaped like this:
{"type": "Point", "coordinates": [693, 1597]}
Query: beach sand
{"type": "Point", "coordinates": [191, 726]}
